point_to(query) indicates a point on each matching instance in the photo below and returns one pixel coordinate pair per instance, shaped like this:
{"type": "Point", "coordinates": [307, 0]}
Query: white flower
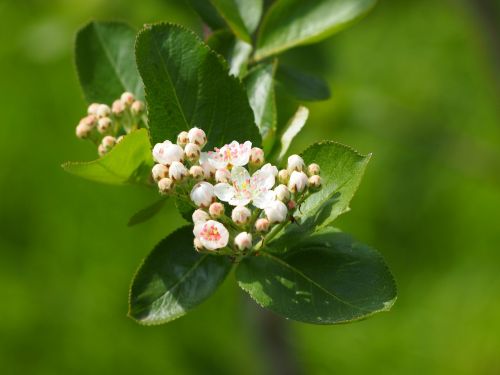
{"type": "Point", "coordinates": [177, 171]}
{"type": "Point", "coordinates": [246, 189]}
{"type": "Point", "coordinates": [103, 110]}
{"type": "Point", "coordinates": [216, 210]}
{"type": "Point", "coordinates": [240, 215]}
{"type": "Point", "coordinates": [269, 168]}
{"type": "Point", "coordinates": [159, 171]}
{"type": "Point", "coordinates": [202, 194]}
{"type": "Point", "coordinates": [208, 169]}
{"type": "Point", "coordinates": [167, 152]}
{"type": "Point", "coordinates": [196, 172]}
{"type": "Point", "coordinates": [256, 156]}
{"type": "Point", "coordinates": [243, 241]}
{"type": "Point", "coordinates": [197, 136]}
{"type": "Point", "coordinates": [222, 175]}
{"type": "Point", "coordinates": [295, 163]}
{"type": "Point", "coordinates": [192, 151]}
{"type": "Point", "coordinates": [262, 225]}
{"type": "Point", "coordinates": [282, 193]}
{"type": "Point", "coordinates": [276, 212]}
{"type": "Point", "coordinates": [234, 154]}
{"type": "Point", "coordinates": [200, 216]}
{"type": "Point", "coordinates": [212, 234]}
{"type": "Point", "coordinates": [298, 182]}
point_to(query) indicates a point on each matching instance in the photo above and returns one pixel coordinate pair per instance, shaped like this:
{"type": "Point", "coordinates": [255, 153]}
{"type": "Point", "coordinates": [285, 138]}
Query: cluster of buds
{"type": "Point", "coordinates": [238, 199]}
{"type": "Point", "coordinates": [106, 126]}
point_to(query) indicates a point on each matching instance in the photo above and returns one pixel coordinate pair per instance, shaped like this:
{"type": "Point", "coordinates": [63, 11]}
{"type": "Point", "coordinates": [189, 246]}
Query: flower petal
{"type": "Point", "coordinates": [239, 200]}
{"type": "Point", "coordinates": [240, 153]}
{"type": "Point", "coordinates": [263, 179]}
{"type": "Point", "coordinates": [224, 192]}
{"type": "Point", "coordinates": [261, 199]}
{"type": "Point", "coordinates": [240, 178]}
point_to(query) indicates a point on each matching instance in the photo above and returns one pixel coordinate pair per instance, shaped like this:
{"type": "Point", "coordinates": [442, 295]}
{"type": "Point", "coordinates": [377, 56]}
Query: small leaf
{"type": "Point", "coordinates": [302, 86]}
{"type": "Point", "coordinates": [290, 23]}
{"type": "Point", "coordinates": [128, 162]}
{"type": "Point", "coordinates": [105, 61]}
{"type": "Point", "coordinates": [147, 213]}
{"type": "Point", "coordinates": [242, 16]}
{"type": "Point", "coordinates": [188, 85]}
{"type": "Point", "coordinates": [174, 278]}
{"type": "Point", "coordinates": [260, 89]}
{"type": "Point", "coordinates": [328, 278]}
{"type": "Point", "coordinates": [293, 128]}
{"type": "Point", "coordinates": [235, 51]}
{"type": "Point", "coordinates": [208, 13]}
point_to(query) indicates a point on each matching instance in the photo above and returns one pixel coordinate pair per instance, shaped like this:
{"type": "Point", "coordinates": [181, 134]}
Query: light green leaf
{"type": "Point", "coordinates": [242, 16]}
{"type": "Point", "coordinates": [293, 128]}
{"type": "Point", "coordinates": [290, 23]}
{"type": "Point", "coordinates": [260, 89]}
{"type": "Point", "coordinates": [174, 278]}
{"type": "Point", "coordinates": [105, 61]}
{"type": "Point", "coordinates": [301, 85]}
{"type": "Point", "coordinates": [147, 213]}
{"type": "Point", "coordinates": [129, 162]}
{"type": "Point", "coordinates": [235, 51]}
{"type": "Point", "coordinates": [208, 13]}
{"type": "Point", "coordinates": [188, 85]}
{"type": "Point", "coordinates": [328, 278]}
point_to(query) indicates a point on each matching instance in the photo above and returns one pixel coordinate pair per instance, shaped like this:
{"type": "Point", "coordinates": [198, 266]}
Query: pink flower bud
{"type": "Point", "coordinates": [200, 216]}
{"type": "Point", "coordinates": [262, 225]}
{"type": "Point", "coordinates": [243, 241]}
{"type": "Point", "coordinates": [192, 152]}
{"type": "Point", "coordinates": [90, 121]}
{"type": "Point", "coordinates": [291, 204]}
{"type": "Point", "coordinates": [313, 169]}
{"type": "Point", "coordinates": [127, 98]}
{"type": "Point", "coordinates": [240, 215]}
{"type": "Point", "coordinates": [276, 212]}
{"type": "Point", "coordinates": [167, 152]}
{"type": "Point", "coordinates": [92, 109]}
{"type": "Point", "coordinates": [197, 136]}
{"type": "Point", "coordinates": [177, 171]}
{"type": "Point", "coordinates": [101, 150]}
{"type": "Point", "coordinates": [165, 186]}
{"type": "Point", "coordinates": [183, 138]}
{"type": "Point", "coordinates": [137, 107]}
{"type": "Point", "coordinates": [256, 156]}
{"type": "Point", "coordinates": [216, 210]}
{"type": "Point", "coordinates": [117, 108]}
{"type": "Point", "coordinates": [298, 182]}
{"type": "Point", "coordinates": [103, 110]}
{"type": "Point", "coordinates": [83, 131]}
{"type": "Point", "coordinates": [222, 175]}
{"type": "Point", "coordinates": [295, 163]}
{"type": "Point", "coordinates": [315, 181]}
{"type": "Point", "coordinates": [104, 124]}
{"type": "Point", "coordinates": [202, 194]}
{"type": "Point", "coordinates": [159, 171]}
{"type": "Point", "coordinates": [283, 176]}
{"type": "Point", "coordinates": [196, 172]}
{"type": "Point", "coordinates": [282, 193]}
{"type": "Point", "coordinates": [108, 142]}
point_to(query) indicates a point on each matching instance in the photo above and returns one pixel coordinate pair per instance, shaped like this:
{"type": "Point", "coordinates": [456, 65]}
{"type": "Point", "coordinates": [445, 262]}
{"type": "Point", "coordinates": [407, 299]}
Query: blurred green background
{"type": "Point", "coordinates": [415, 82]}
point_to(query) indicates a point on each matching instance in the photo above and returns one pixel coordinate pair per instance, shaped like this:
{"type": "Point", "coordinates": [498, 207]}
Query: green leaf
{"type": "Point", "coordinates": [290, 23]}
{"type": "Point", "coordinates": [328, 278]}
{"type": "Point", "coordinates": [302, 86]}
{"type": "Point", "coordinates": [208, 13]}
{"type": "Point", "coordinates": [260, 89]}
{"type": "Point", "coordinates": [174, 278]}
{"type": "Point", "coordinates": [242, 16]}
{"type": "Point", "coordinates": [235, 51]}
{"type": "Point", "coordinates": [147, 213]}
{"type": "Point", "coordinates": [293, 128]}
{"type": "Point", "coordinates": [128, 162]}
{"type": "Point", "coordinates": [187, 85]}
{"type": "Point", "coordinates": [105, 61]}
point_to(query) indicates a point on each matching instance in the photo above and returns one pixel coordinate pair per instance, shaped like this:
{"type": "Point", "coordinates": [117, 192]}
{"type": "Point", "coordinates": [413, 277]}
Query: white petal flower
{"type": "Point", "coordinates": [269, 168]}
{"type": "Point", "coordinates": [212, 234]}
{"type": "Point", "coordinates": [240, 215]}
{"type": "Point", "coordinates": [167, 152]}
{"type": "Point", "coordinates": [243, 241]}
{"type": "Point", "coordinates": [202, 194]}
{"type": "Point", "coordinates": [177, 171]}
{"type": "Point", "coordinates": [208, 169]}
{"type": "Point", "coordinates": [298, 182]}
{"type": "Point", "coordinates": [282, 193]}
{"type": "Point", "coordinates": [222, 175]}
{"type": "Point", "coordinates": [234, 154]}
{"type": "Point", "coordinates": [276, 212]}
{"type": "Point", "coordinates": [295, 163]}
{"type": "Point", "coordinates": [197, 136]}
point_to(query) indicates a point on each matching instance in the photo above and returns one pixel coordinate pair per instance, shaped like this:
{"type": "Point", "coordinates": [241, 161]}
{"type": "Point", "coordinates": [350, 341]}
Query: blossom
{"type": "Point", "coordinates": [177, 171]}
{"type": "Point", "coordinates": [165, 185]}
{"type": "Point", "coordinates": [276, 212]}
{"type": "Point", "coordinates": [315, 181]}
{"type": "Point", "coordinates": [269, 168]}
{"type": "Point", "coordinates": [216, 210]}
{"type": "Point", "coordinates": [103, 124]}
{"type": "Point", "coordinates": [183, 138]}
{"type": "Point", "coordinates": [212, 234]}
{"type": "Point", "coordinates": [127, 98]}
{"type": "Point", "coordinates": [167, 152]}
{"type": "Point", "coordinates": [197, 136]}
{"type": "Point", "coordinates": [246, 189]}
{"type": "Point", "coordinates": [313, 169]}
{"type": "Point", "coordinates": [262, 225]}
{"type": "Point", "coordinates": [234, 154]}
{"type": "Point", "coordinates": [200, 216]}
{"type": "Point", "coordinates": [192, 151]}
{"type": "Point", "coordinates": [256, 156]}
{"type": "Point", "coordinates": [243, 241]}
{"type": "Point", "coordinates": [208, 168]}
{"type": "Point", "coordinates": [159, 171]}
{"type": "Point", "coordinates": [298, 182]}
{"type": "Point", "coordinates": [282, 193]}
{"type": "Point", "coordinates": [196, 172]}
{"type": "Point", "coordinates": [240, 215]}
{"type": "Point", "coordinates": [222, 175]}
{"type": "Point", "coordinates": [202, 194]}
{"type": "Point", "coordinates": [295, 163]}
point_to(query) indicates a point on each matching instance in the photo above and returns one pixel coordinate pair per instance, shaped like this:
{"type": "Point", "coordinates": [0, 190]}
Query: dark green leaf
{"type": "Point", "coordinates": [129, 162]}
{"type": "Point", "coordinates": [302, 86]}
{"type": "Point", "coordinates": [242, 16]}
{"type": "Point", "coordinates": [105, 61]}
{"type": "Point", "coordinates": [260, 89]}
{"type": "Point", "coordinates": [208, 13]}
{"type": "Point", "coordinates": [174, 278]}
{"type": "Point", "coordinates": [290, 23]}
{"type": "Point", "coordinates": [328, 278]}
{"type": "Point", "coordinates": [147, 213]}
{"type": "Point", "coordinates": [188, 85]}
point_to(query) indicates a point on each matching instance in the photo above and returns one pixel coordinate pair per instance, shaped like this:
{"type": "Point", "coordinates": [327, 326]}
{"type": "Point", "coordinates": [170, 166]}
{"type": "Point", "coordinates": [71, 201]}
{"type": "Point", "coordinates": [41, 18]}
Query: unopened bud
{"type": "Point", "coordinates": [118, 107]}
{"type": "Point", "coordinates": [89, 121]}
{"type": "Point", "coordinates": [103, 110]}
{"type": "Point", "coordinates": [298, 182]}
{"type": "Point", "coordinates": [101, 150]}
{"type": "Point", "coordinates": [256, 156]}
{"type": "Point", "coordinates": [165, 185]}
{"type": "Point", "coordinates": [216, 210]}
{"type": "Point", "coordinates": [92, 109]}
{"type": "Point", "coordinates": [196, 172]}
{"type": "Point", "coordinates": [315, 181]}
{"type": "Point", "coordinates": [198, 136]}
{"type": "Point", "coordinates": [103, 125]}
{"type": "Point", "coordinates": [291, 205]}
{"type": "Point", "coordinates": [240, 215]}
{"type": "Point", "coordinates": [222, 175]}
{"type": "Point", "coordinates": [200, 216]}
{"type": "Point", "coordinates": [127, 98]}
{"type": "Point", "coordinates": [295, 163]}
{"type": "Point", "coordinates": [202, 194]}
{"type": "Point", "coordinates": [283, 176]}
{"type": "Point", "coordinates": [243, 241]}
{"type": "Point", "coordinates": [197, 244]}
{"type": "Point", "coordinates": [183, 138]}
{"type": "Point", "coordinates": [137, 107]}
{"type": "Point", "coordinates": [192, 152]}
{"type": "Point", "coordinates": [276, 212]}
{"type": "Point", "coordinates": [282, 193]}
{"type": "Point", "coordinates": [83, 131]}
{"type": "Point", "coordinates": [177, 171]}
{"type": "Point", "coordinates": [313, 169]}
{"type": "Point", "coordinates": [108, 142]}
{"type": "Point", "coordinates": [159, 171]}
{"type": "Point", "coordinates": [262, 225]}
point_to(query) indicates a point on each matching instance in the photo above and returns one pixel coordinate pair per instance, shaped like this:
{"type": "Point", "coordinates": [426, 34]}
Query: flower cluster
{"type": "Point", "coordinates": [106, 126]}
{"type": "Point", "coordinates": [238, 198]}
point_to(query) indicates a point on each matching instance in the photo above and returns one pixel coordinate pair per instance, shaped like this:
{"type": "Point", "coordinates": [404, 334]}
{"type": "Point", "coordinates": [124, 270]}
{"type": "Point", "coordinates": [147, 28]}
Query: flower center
{"type": "Point", "coordinates": [211, 233]}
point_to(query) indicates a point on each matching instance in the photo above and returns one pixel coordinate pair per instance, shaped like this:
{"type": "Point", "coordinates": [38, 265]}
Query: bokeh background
{"type": "Point", "coordinates": [415, 82]}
